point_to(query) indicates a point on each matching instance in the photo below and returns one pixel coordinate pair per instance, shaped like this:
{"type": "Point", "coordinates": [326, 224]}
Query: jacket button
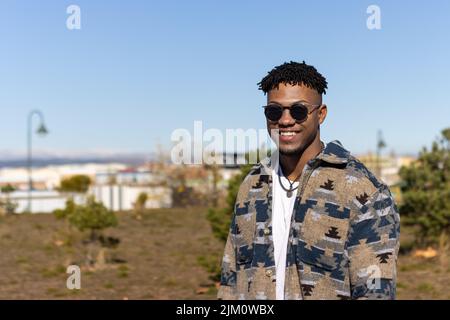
{"type": "Point", "coordinates": [269, 273]}
{"type": "Point", "coordinates": [266, 231]}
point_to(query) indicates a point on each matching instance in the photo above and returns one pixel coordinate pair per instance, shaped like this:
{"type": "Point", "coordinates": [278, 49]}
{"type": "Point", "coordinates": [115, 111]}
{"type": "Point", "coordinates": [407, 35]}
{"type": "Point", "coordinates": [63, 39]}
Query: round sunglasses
{"type": "Point", "coordinates": [299, 111]}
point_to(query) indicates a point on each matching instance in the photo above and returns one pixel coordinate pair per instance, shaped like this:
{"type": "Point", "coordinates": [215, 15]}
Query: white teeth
{"type": "Point", "coordinates": [290, 133]}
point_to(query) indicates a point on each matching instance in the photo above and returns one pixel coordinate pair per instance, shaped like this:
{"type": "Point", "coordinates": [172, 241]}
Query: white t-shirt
{"type": "Point", "coordinates": [282, 207]}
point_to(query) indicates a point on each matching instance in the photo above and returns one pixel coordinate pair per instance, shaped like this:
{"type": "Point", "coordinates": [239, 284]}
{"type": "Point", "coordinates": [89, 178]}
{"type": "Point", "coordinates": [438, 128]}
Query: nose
{"type": "Point", "coordinates": [286, 118]}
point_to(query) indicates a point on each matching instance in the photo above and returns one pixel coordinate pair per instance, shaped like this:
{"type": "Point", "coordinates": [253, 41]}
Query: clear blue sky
{"type": "Point", "coordinates": [139, 69]}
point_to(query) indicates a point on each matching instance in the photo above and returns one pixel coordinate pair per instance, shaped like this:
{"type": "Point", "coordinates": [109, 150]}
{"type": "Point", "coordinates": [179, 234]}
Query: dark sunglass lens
{"type": "Point", "coordinates": [299, 112]}
{"type": "Point", "coordinates": [273, 113]}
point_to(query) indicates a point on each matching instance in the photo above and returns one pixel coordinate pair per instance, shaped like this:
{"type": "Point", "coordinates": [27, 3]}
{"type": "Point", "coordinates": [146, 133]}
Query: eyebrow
{"type": "Point", "coordinates": [299, 101]}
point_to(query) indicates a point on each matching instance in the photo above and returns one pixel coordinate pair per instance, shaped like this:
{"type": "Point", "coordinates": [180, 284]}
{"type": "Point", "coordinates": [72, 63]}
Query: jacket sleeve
{"type": "Point", "coordinates": [372, 247]}
{"type": "Point", "coordinates": [227, 289]}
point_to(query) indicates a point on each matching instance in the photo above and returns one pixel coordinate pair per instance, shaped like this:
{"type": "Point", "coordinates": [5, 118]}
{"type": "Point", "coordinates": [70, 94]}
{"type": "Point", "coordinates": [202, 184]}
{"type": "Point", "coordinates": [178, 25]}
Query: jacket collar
{"type": "Point", "coordinates": [334, 153]}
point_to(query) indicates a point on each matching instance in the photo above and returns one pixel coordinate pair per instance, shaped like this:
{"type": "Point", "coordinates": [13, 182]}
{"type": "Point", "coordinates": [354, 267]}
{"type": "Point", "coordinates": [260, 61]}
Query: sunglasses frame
{"type": "Point", "coordinates": [302, 104]}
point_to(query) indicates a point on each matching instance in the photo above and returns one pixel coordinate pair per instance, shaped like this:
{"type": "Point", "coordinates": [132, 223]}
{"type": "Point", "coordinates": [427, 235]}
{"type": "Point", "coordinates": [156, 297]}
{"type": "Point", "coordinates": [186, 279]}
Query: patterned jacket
{"type": "Point", "coordinates": [343, 241]}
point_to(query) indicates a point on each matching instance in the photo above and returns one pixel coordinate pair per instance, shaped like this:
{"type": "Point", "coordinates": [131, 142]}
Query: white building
{"type": "Point", "coordinates": [113, 184]}
{"type": "Point", "coordinates": [130, 176]}
{"type": "Point", "coordinates": [49, 177]}
{"type": "Point", "coordinates": [41, 201]}
{"type": "Point", "coordinates": [119, 190]}
{"type": "Point", "coordinates": [123, 197]}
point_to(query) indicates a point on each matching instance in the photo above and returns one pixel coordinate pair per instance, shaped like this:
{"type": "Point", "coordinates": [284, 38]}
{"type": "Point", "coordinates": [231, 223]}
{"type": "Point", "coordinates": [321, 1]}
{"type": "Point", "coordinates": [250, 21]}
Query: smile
{"type": "Point", "coordinates": [288, 133]}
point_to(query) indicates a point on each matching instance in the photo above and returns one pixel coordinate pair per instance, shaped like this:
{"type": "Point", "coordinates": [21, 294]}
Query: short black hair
{"type": "Point", "coordinates": [294, 73]}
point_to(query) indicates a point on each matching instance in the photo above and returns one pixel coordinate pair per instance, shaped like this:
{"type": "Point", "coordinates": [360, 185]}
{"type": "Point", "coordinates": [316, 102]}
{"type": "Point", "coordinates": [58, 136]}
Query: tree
{"type": "Point", "coordinates": [8, 206]}
{"type": "Point", "coordinates": [92, 216]}
{"type": "Point", "coordinates": [8, 189]}
{"type": "Point", "coordinates": [446, 134]}
{"type": "Point", "coordinates": [68, 210]}
{"type": "Point", "coordinates": [183, 195]}
{"type": "Point", "coordinates": [220, 219]}
{"type": "Point", "coordinates": [95, 217]}
{"type": "Point", "coordinates": [139, 205]}
{"type": "Point", "coordinates": [141, 201]}
{"type": "Point", "coordinates": [76, 183]}
{"type": "Point", "coordinates": [426, 191]}
{"type": "Point", "coordinates": [215, 180]}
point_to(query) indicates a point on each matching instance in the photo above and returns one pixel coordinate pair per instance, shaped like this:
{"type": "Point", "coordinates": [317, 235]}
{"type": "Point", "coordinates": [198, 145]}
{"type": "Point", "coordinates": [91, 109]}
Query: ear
{"type": "Point", "coordinates": [322, 112]}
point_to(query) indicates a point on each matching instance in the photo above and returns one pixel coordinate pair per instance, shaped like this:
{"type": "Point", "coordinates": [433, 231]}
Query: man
{"type": "Point", "coordinates": [310, 222]}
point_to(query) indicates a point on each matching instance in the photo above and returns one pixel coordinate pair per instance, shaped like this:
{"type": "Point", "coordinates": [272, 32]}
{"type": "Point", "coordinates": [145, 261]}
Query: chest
{"type": "Point", "coordinates": [317, 217]}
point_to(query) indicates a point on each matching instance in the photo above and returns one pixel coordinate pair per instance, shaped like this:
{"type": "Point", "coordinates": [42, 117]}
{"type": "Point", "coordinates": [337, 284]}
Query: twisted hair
{"type": "Point", "coordinates": [294, 73]}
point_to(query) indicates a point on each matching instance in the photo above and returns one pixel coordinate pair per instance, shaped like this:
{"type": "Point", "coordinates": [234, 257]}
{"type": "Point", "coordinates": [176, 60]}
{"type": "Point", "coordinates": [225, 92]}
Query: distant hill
{"type": "Point", "coordinates": [12, 159]}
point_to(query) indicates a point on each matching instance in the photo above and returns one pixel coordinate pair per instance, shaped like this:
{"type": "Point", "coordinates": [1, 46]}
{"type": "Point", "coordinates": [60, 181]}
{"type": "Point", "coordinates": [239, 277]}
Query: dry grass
{"type": "Point", "coordinates": [156, 259]}
{"type": "Point", "coordinates": [165, 255]}
{"type": "Point", "coordinates": [420, 278]}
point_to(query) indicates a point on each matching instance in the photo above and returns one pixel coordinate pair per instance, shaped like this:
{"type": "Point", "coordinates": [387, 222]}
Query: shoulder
{"type": "Point", "coordinates": [347, 180]}
{"type": "Point", "coordinates": [370, 191]}
{"type": "Point", "coordinates": [341, 162]}
{"type": "Point", "coordinates": [355, 168]}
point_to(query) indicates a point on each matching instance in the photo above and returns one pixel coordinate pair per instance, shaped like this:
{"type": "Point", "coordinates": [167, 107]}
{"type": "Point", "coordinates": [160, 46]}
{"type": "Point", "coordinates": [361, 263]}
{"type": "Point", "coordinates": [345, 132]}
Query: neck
{"type": "Point", "coordinates": [292, 165]}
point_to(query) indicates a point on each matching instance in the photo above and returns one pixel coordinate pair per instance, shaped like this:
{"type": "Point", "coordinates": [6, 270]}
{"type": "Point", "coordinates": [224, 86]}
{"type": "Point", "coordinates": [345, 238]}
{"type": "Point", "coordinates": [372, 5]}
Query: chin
{"type": "Point", "coordinates": [290, 150]}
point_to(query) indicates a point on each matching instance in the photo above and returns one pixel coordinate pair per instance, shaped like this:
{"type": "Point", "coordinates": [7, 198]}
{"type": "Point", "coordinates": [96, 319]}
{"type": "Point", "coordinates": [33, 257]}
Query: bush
{"type": "Point", "coordinates": [93, 216]}
{"type": "Point", "coordinates": [426, 192]}
{"type": "Point", "coordinates": [64, 213]}
{"type": "Point", "coordinates": [8, 206]}
{"type": "Point", "coordinates": [220, 219]}
{"type": "Point", "coordinates": [77, 183]}
{"type": "Point", "coordinates": [139, 205]}
{"type": "Point", "coordinates": [141, 200]}
{"type": "Point", "coordinates": [7, 189]}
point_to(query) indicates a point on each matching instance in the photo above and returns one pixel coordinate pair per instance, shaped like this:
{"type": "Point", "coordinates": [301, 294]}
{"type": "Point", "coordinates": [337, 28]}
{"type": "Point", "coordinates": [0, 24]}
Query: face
{"type": "Point", "coordinates": [293, 137]}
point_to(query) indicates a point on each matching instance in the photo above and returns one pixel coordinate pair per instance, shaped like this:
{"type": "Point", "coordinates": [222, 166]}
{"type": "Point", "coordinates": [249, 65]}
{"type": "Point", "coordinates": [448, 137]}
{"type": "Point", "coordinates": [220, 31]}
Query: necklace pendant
{"type": "Point", "coordinates": [289, 193]}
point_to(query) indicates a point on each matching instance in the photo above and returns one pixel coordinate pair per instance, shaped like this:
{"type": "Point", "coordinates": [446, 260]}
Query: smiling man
{"type": "Point", "coordinates": [311, 221]}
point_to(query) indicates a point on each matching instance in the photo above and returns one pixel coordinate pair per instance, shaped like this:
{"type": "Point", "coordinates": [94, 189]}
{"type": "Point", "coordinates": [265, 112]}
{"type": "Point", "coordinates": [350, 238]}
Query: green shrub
{"type": "Point", "coordinates": [426, 191]}
{"type": "Point", "coordinates": [220, 218]}
{"type": "Point", "coordinates": [76, 183]}
{"type": "Point", "coordinates": [92, 216]}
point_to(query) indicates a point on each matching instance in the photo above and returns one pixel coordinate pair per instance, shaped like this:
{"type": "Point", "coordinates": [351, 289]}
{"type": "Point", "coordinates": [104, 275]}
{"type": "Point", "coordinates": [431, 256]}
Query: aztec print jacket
{"type": "Point", "coordinates": [343, 241]}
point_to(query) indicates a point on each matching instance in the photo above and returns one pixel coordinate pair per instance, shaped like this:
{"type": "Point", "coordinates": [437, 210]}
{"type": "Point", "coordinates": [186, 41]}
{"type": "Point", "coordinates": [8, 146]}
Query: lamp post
{"type": "Point", "coordinates": [380, 145]}
{"type": "Point", "coordinates": [42, 131]}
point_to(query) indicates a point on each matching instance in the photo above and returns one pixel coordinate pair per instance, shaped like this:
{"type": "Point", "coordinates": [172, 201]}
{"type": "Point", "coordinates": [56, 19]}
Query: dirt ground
{"type": "Point", "coordinates": [422, 278]}
{"type": "Point", "coordinates": [157, 258]}
{"type": "Point", "coordinates": [161, 256]}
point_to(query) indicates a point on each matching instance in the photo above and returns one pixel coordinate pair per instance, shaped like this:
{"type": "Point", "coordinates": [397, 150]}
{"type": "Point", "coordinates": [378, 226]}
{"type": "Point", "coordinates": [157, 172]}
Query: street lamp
{"type": "Point", "coordinates": [380, 145]}
{"type": "Point", "coordinates": [41, 131]}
